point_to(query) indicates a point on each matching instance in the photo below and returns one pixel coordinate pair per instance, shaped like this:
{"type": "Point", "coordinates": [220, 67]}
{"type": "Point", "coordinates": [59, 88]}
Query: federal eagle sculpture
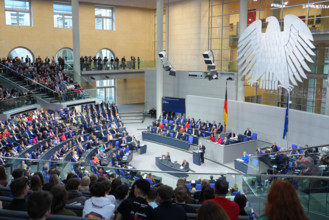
{"type": "Point", "coordinates": [275, 58]}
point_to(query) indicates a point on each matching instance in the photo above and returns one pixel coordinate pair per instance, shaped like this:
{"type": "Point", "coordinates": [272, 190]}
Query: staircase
{"type": "Point", "coordinates": [132, 117]}
{"type": "Point", "coordinates": [47, 96]}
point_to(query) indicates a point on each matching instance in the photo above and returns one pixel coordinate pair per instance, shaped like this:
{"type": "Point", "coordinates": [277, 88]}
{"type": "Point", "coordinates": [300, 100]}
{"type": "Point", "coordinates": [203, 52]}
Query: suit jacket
{"type": "Point", "coordinates": [202, 148]}
{"type": "Point", "coordinates": [186, 165]}
{"type": "Point", "coordinates": [247, 133]}
{"type": "Point", "coordinates": [220, 129]}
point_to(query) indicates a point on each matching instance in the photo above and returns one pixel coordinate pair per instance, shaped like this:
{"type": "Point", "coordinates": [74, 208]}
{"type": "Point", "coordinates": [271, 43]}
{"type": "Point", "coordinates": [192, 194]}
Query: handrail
{"type": "Point", "coordinates": [166, 172]}
{"type": "Point", "coordinates": [33, 81]}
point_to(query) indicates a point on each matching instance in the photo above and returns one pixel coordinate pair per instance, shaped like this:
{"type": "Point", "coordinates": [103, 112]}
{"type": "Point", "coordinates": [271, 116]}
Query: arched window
{"type": "Point", "coordinates": [21, 52]}
{"type": "Point", "coordinates": [66, 53]}
{"type": "Point", "coordinates": [105, 53]}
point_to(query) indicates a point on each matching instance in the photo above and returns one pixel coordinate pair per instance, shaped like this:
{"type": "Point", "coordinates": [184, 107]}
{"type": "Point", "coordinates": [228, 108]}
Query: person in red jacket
{"type": "Point", "coordinates": [212, 138]}
{"type": "Point", "coordinates": [231, 208]}
{"type": "Point", "coordinates": [63, 138]}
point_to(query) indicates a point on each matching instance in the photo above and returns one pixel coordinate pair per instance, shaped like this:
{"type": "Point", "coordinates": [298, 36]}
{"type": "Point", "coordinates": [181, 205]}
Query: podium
{"type": "Point", "coordinates": [196, 158]}
{"type": "Point", "coordinates": [142, 149]}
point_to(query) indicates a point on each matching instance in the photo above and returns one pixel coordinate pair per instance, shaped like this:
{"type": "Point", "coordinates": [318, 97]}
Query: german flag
{"type": "Point", "coordinates": [225, 111]}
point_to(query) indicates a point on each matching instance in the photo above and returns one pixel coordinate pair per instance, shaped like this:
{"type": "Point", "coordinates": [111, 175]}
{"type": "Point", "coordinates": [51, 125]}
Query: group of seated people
{"type": "Point", "coordinates": [47, 73]}
{"type": "Point", "coordinates": [296, 160]}
{"type": "Point", "coordinates": [112, 199]}
{"type": "Point", "coordinates": [6, 93]}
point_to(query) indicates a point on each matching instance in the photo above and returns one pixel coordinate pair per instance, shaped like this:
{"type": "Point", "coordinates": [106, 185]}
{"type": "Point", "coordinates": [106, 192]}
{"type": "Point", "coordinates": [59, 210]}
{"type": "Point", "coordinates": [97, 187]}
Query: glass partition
{"type": "Point", "coordinates": [312, 191]}
{"type": "Point", "coordinates": [13, 103]}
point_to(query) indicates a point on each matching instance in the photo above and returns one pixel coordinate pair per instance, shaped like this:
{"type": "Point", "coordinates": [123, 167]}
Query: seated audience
{"type": "Point", "coordinates": [39, 205]}
{"type": "Point", "coordinates": [166, 209]}
{"type": "Point", "coordinates": [231, 208]}
{"type": "Point", "coordinates": [151, 196]}
{"type": "Point", "coordinates": [98, 206]}
{"type": "Point", "coordinates": [212, 211]}
{"type": "Point", "coordinates": [248, 133]}
{"type": "Point", "coordinates": [241, 200]}
{"type": "Point", "coordinates": [219, 140]}
{"type": "Point", "coordinates": [136, 207]}
{"type": "Point", "coordinates": [283, 194]}
{"type": "Point", "coordinates": [59, 201]}
{"type": "Point", "coordinates": [75, 197]}
{"type": "Point", "coordinates": [19, 189]}
{"type": "Point", "coordinates": [181, 195]}
{"type": "Point", "coordinates": [212, 138]}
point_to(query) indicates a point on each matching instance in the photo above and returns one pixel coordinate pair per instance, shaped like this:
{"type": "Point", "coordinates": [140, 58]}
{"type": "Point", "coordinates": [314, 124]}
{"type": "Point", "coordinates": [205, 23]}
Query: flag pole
{"type": "Point", "coordinates": [225, 116]}
{"type": "Point", "coordinates": [288, 103]}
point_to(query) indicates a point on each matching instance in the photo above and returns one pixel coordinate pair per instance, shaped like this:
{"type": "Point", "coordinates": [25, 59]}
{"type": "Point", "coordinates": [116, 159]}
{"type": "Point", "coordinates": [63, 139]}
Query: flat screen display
{"type": "Point", "coordinates": [171, 104]}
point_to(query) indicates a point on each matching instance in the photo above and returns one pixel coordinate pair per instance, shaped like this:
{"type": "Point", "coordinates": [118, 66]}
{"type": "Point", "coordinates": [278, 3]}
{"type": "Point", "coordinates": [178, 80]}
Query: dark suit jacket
{"type": "Point", "coordinates": [202, 148]}
{"type": "Point", "coordinates": [186, 165]}
{"type": "Point", "coordinates": [247, 133]}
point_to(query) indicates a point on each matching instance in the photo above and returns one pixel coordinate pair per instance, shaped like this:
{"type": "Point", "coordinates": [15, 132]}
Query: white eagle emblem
{"type": "Point", "coordinates": [275, 56]}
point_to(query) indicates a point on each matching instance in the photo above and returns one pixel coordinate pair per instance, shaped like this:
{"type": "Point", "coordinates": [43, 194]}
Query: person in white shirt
{"type": "Point", "coordinates": [98, 206]}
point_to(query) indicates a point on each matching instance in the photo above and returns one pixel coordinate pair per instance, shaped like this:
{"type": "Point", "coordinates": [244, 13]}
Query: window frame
{"type": "Point", "coordinates": [105, 17]}
{"type": "Point", "coordinates": [18, 12]}
{"type": "Point", "coordinates": [62, 15]}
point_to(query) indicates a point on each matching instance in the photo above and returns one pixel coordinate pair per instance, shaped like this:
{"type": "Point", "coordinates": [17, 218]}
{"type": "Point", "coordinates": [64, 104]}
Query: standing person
{"type": "Point", "coordinates": [138, 62]}
{"type": "Point", "coordinates": [134, 62]}
{"type": "Point", "coordinates": [105, 63]}
{"type": "Point", "coordinates": [283, 194]}
{"type": "Point", "coordinates": [202, 150]}
{"type": "Point", "coordinates": [123, 62]}
{"type": "Point", "coordinates": [136, 208]}
{"type": "Point", "coordinates": [117, 63]}
{"type": "Point", "coordinates": [231, 208]}
{"type": "Point", "coordinates": [111, 63]}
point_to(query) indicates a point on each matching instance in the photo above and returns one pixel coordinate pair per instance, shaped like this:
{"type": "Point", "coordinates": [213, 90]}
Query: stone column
{"type": "Point", "coordinates": [76, 35]}
{"type": "Point", "coordinates": [239, 80]}
{"type": "Point", "coordinates": [159, 70]}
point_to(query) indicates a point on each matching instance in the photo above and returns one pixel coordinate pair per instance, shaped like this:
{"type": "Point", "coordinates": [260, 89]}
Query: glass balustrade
{"type": "Point", "coordinates": [312, 190]}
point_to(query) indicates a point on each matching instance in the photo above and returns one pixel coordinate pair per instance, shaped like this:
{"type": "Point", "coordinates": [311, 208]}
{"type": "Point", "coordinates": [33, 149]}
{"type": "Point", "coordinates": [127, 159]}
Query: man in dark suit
{"type": "Point", "coordinates": [219, 128]}
{"type": "Point", "coordinates": [247, 132]}
{"type": "Point", "coordinates": [274, 148]}
{"type": "Point", "coordinates": [231, 135]}
{"type": "Point", "coordinates": [202, 150]}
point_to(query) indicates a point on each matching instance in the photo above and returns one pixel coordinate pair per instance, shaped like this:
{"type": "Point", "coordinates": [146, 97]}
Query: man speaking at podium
{"type": "Point", "coordinates": [202, 150]}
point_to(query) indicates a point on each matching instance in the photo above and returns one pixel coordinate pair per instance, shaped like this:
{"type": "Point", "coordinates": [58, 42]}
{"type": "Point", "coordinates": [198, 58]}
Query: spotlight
{"type": "Point", "coordinates": [93, 78]}
{"type": "Point", "coordinates": [162, 54]}
{"type": "Point", "coordinates": [107, 77]}
{"type": "Point", "coordinates": [208, 57]}
{"type": "Point", "coordinates": [166, 64]}
{"type": "Point", "coordinates": [172, 72]}
{"type": "Point", "coordinates": [213, 74]}
{"type": "Point", "coordinates": [211, 67]}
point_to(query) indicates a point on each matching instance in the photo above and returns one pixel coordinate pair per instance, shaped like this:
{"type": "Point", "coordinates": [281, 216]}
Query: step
{"type": "Point", "coordinates": [134, 122]}
{"type": "Point", "coordinates": [129, 113]}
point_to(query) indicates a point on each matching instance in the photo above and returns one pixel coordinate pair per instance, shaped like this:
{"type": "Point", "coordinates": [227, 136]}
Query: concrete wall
{"type": "Point", "coordinates": [182, 85]}
{"type": "Point", "coordinates": [266, 121]}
